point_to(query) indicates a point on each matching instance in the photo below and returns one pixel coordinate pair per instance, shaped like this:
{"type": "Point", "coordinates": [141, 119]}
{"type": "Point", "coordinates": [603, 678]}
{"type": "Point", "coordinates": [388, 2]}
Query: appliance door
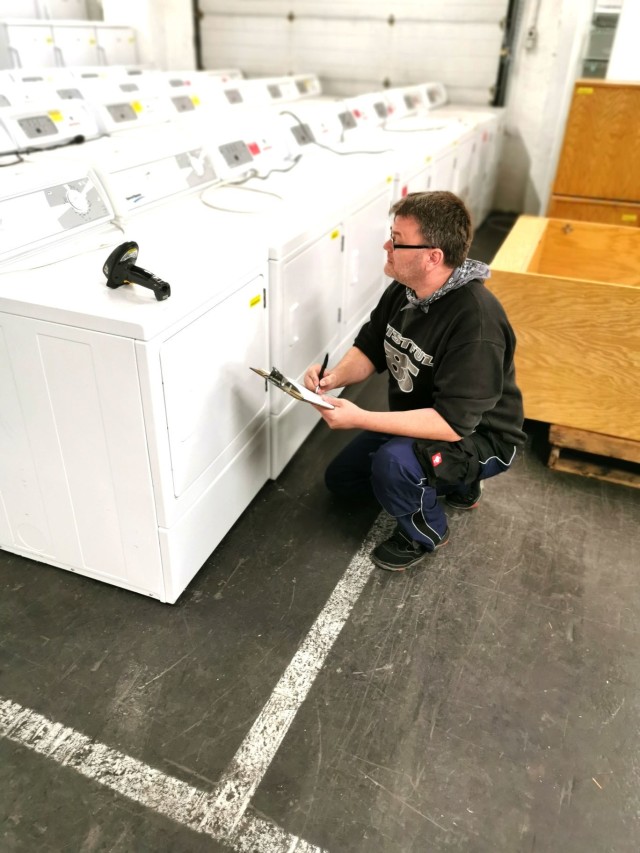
{"type": "Point", "coordinates": [441, 175]}
{"type": "Point", "coordinates": [214, 404]}
{"type": "Point", "coordinates": [465, 151]}
{"type": "Point", "coordinates": [365, 232]}
{"type": "Point", "coordinates": [306, 290]}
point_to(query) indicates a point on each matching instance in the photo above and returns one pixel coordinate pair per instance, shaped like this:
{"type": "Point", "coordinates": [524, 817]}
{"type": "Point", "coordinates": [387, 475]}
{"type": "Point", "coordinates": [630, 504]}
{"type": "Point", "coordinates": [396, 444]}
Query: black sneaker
{"type": "Point", "coordinates": [470, 500]}
{"type": "Point", "coordinates": [398, 552]}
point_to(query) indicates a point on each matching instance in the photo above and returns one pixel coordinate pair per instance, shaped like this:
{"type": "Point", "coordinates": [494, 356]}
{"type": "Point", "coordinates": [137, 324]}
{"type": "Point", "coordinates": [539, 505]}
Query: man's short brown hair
{"type": "Point", "coordinates": [444, 222]}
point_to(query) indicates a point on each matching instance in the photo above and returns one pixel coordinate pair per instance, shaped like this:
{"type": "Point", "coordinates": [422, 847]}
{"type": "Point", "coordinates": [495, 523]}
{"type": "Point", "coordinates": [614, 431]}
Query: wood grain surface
{"type": "Point", "coordinates": [578, 350]}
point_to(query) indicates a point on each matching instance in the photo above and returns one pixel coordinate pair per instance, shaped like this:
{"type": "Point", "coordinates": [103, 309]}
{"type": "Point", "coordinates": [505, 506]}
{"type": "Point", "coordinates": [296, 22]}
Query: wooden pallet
{"type": "Point", "coordinates": [605, 457]}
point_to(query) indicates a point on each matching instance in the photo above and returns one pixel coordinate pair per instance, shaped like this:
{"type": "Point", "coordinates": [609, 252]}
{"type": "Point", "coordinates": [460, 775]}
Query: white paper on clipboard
{"type": "Point", "coordinates": [294, 389]}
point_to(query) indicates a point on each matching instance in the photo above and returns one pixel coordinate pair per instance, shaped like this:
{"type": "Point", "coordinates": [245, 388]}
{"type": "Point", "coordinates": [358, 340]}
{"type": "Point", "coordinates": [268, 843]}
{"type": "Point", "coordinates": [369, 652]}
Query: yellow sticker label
{"type": "Point", "coordinates": [389, 179]}
{"type": "Point", "coordinates": [136, 106]}
{"type": "Point", "coordinates": [428, 159]}
{"type": "Point", "coordinates": [335, 234]}
{"type": "Point", "coordinates": [55, 115]}
{"type": "Point", "coordinates": [49, 39]}
{"type": "Point", "coordinates": [255, 301]}
{"type": "Point", "coordinates": [629, 217]}
{"type": "Point", "coordinates": [584, 90]}
{"type": "Point", "coordinates": [92, 41]}
{"type": "Point", "coordinates": [195, 100]}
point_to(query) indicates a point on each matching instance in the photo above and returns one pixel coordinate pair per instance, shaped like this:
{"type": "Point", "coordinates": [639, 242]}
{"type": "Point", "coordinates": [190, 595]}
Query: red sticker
{"type": "Point", "coordinates": [436, 459]}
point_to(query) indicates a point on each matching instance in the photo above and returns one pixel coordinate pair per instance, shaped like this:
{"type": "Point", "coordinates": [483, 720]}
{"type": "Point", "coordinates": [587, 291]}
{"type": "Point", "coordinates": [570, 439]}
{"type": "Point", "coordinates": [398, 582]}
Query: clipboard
{"type": "Point", "coordinates": [298, 392]}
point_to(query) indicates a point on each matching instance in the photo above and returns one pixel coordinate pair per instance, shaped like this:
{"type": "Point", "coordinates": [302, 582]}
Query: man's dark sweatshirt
{"type": "Point", "coordinates": [456, 358]}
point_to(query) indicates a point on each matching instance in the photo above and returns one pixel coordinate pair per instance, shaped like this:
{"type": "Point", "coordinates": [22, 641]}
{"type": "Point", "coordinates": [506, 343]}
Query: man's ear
{"type": "Point", "coordinates": [436, 256]}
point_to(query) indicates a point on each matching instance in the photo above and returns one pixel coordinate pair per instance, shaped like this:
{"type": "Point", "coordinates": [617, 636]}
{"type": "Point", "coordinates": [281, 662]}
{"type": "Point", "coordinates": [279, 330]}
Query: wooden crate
{"type": "Point", "coordinates": [599, 157]}
{"type": "Point", "coordinates": [571, 290]}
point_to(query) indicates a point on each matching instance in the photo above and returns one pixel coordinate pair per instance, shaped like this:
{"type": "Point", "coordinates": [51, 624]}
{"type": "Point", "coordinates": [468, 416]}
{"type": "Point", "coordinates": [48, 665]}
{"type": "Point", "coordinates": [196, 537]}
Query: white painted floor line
{"type": "Point", "coordinates": [220, 814]}
{"type": "Point", "coordinates": [166, 795]}
{"type": "Point", "coordinates": [246, 769]}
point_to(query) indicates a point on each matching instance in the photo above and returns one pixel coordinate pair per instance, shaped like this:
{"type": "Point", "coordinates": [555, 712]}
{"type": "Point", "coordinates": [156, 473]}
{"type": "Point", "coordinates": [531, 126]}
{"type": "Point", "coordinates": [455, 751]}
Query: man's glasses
{"type": "Point", "coordinates": [407, 246]}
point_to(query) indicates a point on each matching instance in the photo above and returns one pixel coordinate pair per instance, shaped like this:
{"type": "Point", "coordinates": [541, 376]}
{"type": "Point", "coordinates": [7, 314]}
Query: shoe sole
{"type": "Point", "coordinates": [463, 508]}
{"type": "Point", "coordinates": [454, 505]}
{"type": "Point", "coordinates": [415, 562]}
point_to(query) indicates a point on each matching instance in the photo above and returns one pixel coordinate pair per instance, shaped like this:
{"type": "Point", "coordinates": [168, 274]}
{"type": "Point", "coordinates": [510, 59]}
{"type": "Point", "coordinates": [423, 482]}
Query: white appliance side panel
{"type": "Point", "coordinates": [465, 151]}
{"type": "Point", "coordinates": [213, 402]}
{"type": "Point", "coordinates": [190, 541]}
{"type": "Point", "coordinates": [441, 176]}
{"type": "Point", "coordinates": [24, 518]}
{"type": "Point", "coordinates": [30, 45]}
{"type": "Point", "coordinates": [288, 430]}
{"type": "Point", "coordinates": [412, 181]}
{"type": "Point", "coordinates": [117, 45]}
{"type": "Point", "coordinates": [306, 291]}
{"type": "Point", "coordinates": [365, 233]}
{"type": "Point", "coordinates": [80, 400]}
{"type": "Point", "coordinates": [76, 45]}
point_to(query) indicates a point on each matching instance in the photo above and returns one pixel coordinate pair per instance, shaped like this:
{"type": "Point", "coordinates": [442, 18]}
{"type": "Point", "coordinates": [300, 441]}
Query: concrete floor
{"type": "Point", "coordinates": [487, 700]}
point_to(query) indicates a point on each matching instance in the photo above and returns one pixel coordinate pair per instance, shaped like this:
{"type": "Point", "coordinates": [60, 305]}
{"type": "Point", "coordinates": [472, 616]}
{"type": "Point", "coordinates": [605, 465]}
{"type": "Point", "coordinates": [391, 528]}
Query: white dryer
{"type": "Point", "coordinates": [325, 218]}
{"type": "Point", "coordinates": [34, 115]}
{"type": "Point", "coordinates": [133, 437]}
{"type": "Point", "coordinates": [421, 160]}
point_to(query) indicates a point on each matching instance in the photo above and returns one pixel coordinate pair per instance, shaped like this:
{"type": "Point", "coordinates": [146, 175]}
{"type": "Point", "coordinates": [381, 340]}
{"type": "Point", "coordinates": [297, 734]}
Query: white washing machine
{"type": "Point", "coordinates": [122, 98]}
{"type": "Point", "coordinates": [326, 219]}
{"type": "Point", "coordinates": [116, 99]}
{"type": "Point", "coordinates": [421, 160]}
{"type": "Point", "coordinates": [34, 115]}
{"type": "Point", "coordinates": [133, 437]}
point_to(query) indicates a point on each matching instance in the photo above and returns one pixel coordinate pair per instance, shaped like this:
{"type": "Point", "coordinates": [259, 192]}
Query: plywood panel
{"type": "Point", "coordinates": [578, 351]}
{"type": "Point", "coordinates": [593, 210]}
{"type": "Point", "coordinates": [590, 251]}
{"type": "Point", "coordinates": [599, 153]}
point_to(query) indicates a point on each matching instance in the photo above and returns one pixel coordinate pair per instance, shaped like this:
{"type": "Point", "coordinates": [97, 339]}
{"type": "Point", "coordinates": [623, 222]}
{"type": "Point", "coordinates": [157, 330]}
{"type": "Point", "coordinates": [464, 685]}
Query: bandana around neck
{"type": "Point", "coordinates": [468, 271]}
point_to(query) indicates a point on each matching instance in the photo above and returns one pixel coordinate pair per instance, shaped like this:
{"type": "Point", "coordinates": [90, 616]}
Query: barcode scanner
{"type": "Point", "coordinates": [119, 269]}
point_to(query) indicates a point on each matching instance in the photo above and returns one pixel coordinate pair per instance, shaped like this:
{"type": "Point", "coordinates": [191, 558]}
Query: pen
{"type": "Point", "coordinates": [322, 370]}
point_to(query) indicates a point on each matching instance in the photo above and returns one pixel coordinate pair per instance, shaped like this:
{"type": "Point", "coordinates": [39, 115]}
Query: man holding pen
{"type": "Point", "coordinates": [455, 413]}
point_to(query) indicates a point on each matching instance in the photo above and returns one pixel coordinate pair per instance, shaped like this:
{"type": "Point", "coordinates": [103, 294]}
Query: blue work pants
{"type": "Point", "coordinates": [387, 466]}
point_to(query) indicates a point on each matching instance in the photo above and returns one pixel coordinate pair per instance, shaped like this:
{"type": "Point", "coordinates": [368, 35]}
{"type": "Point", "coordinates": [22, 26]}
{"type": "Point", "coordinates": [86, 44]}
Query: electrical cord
{"type": "Point", "coordinates": [253, 173]}
{"type": "Point", "coordinates": [77, 140]}
{"type": "Point", "coordinates": [17, 153]}
{"type": "Point", "coordinates": [206, 195]}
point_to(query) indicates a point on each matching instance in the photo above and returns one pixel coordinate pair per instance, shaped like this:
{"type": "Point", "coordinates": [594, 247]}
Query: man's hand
{"type": "Point", "coordinates": [345, 415]}
{"type": "Point", "coordinates": [353, 367]}
{"type": "Point", "coordinates": [312, 380]}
